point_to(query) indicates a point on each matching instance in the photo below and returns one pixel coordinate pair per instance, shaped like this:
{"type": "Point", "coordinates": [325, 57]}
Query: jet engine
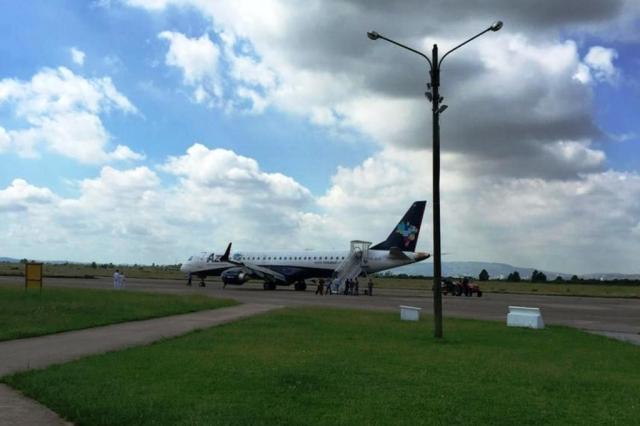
{"type": "Point", "coordinates": [237, 276]}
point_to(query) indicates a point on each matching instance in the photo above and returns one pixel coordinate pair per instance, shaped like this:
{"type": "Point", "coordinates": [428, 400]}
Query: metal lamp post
{"type": "Point", "coordinates": [434, 97]}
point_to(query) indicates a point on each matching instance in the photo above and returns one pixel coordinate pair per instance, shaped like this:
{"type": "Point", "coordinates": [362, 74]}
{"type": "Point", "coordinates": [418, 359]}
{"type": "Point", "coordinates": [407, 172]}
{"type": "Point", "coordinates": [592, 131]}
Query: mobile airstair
{"type": "Point", "coordinates": [357, 263]}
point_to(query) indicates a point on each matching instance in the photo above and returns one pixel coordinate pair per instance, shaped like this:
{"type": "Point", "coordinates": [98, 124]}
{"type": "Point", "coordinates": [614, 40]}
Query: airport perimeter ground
{"type": "Point", "coordinates": [488, 374]}
{"type": "Point", "coordinates": [617, 317]}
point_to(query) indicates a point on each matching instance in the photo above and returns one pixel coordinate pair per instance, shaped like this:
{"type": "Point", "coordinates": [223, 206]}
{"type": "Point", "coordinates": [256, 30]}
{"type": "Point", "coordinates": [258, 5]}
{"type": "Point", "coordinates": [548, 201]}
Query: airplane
{"type": "Point", "coordinates": [294, 267]}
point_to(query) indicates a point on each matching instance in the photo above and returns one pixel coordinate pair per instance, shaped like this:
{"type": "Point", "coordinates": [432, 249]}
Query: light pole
{"type": "Point", "coordinates": [433, 94]}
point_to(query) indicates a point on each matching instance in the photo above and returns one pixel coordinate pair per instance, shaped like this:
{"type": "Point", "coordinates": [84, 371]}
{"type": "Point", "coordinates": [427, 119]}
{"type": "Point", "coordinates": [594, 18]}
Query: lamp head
{"type": "Point", "coordinates": [373, 35]}
{"type": "Point", "coordinates": [496, 26]}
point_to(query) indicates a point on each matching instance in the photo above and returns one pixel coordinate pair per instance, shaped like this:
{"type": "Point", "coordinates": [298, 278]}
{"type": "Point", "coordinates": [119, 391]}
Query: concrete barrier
{"type": "Point", "coordinates": [409, 313]}
{"type": "Point", "coordinates": [520, 316]}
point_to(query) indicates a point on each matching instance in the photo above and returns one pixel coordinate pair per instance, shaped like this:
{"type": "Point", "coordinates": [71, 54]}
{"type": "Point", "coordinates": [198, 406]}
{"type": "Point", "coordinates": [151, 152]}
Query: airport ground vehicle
{"type": "Point", "coordinates": [458, 288]}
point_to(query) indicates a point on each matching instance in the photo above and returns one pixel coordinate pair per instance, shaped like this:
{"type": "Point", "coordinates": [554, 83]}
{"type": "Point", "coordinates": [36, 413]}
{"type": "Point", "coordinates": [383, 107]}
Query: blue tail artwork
{"type": "Point", "coordinates": [405, 235]}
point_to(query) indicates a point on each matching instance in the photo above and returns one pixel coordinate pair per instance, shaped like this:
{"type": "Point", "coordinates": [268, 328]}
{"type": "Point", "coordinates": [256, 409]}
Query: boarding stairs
{"type": "Point", "coordinates": [354, 265]}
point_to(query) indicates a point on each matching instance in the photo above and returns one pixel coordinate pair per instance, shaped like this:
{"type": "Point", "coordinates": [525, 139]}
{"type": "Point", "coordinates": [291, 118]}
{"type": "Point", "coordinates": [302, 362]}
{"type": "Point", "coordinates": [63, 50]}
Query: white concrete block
{"type": "Point", "coordinates": [521, 316]}
{"type": "Point", "coordinates": [409, 313]}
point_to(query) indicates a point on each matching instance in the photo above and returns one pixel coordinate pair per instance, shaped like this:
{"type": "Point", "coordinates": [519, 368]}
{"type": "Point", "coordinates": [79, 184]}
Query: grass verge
{"type": "Point", "coordinates": [34, 313]}
{"type": "Point", "coordinates": [316, 366]}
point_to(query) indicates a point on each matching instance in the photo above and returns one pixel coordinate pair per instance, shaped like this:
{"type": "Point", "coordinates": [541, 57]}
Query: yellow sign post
{"type": "Point", "coordinates": [33, 275]}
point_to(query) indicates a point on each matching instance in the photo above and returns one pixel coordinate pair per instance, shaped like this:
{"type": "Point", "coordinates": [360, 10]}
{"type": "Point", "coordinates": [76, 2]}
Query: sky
{"type": "Point", "coordinates": [140, 131]}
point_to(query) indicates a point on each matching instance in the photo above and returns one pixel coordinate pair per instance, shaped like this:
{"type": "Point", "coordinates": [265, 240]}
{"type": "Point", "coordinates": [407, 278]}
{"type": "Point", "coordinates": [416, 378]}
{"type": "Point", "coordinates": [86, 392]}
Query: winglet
{"type": "Point", "coordinates": [225, 256]}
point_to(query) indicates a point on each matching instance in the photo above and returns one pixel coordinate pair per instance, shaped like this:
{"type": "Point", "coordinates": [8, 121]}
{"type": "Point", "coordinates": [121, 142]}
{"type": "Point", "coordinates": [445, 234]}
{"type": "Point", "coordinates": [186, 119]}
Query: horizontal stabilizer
{"type": "Point", "coordinates": [396, 253]}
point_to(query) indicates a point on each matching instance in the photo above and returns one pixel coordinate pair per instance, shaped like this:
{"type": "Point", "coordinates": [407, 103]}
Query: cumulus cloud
{"type": "Point", "coordinates": [600, 60]}
{"type": "Point", "coordinates": [514, 94]}
{"type": "Point", "coordinates": [131, 215]}
{"type": "Point", "coordinates": [5, 140]}
{"type": "Point", "coordinates": [197, 58]}
{"type": "Point", "coordinates": [519, 126]}
{"type": "Point", "coordinates": [223, 196]}
{"type": "Point", "coordinates": [204, 66]}
{"type": "Point", "coordinates": [149, 4]}
{"type": "Point", "coordinates": [61, 111]}
{"type": "Point", "coordinates": [77, 56]}
{"type": "Point", "coordinates": [113, 185]}
{"type": "Point", "coordinates": [238, 179]}
{"type": "Point", "coordinates": [583, 225]}
{"type": "Point", "coordinates": [117, 215]}
{"type": "Point", "coordinates": [20, 195]}
{"type": "Point", "coordinates": [122, 153]}
{"type": "Point", "coordinates": [523, 179]}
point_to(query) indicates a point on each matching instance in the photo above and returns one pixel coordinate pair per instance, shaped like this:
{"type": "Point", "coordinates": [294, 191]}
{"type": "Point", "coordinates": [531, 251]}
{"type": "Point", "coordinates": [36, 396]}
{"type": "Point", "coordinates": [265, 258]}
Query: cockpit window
{"type": "Point", "coordinates": [190, 258]}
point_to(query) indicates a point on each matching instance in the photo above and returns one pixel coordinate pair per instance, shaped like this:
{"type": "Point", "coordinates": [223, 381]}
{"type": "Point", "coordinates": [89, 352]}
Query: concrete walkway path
{"type": "Point", "coordinates": [17, 409]}
{"type": "Point", "coordinates": [40, 352]}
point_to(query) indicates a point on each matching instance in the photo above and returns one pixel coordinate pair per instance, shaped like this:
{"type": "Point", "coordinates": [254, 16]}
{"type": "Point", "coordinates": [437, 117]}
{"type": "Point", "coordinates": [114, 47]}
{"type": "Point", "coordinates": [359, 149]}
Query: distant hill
{"type": "Point", "coordinates": [9, 260]}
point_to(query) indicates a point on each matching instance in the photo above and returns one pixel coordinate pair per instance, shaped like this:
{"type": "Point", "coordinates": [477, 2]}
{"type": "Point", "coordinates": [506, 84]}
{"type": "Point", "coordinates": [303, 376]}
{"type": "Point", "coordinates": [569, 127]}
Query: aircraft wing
{"type": "Point", "coordinates": [396, 253]}
{"type": "Point", "coordinates": [260, 271]}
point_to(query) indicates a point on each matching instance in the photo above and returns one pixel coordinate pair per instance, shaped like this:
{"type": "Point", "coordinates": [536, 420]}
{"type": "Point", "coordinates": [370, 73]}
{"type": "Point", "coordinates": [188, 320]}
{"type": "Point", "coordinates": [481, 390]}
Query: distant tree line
{"type": "Point", "coordinates": [538, 276]}
{"type": "Point", "coordinates": [514, 276]}
{"type": "Point", "coordinates": [110, 265]}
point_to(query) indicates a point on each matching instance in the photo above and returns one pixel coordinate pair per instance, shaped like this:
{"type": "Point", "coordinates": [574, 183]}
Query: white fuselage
{"type": "Point", "coordinates": [297, 264]}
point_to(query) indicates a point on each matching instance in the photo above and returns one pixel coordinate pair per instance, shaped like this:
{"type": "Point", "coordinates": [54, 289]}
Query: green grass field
{"type": "Point", "coordinates": [34, 313]}
{"type": "Point", "coordinates": [74, 270]}
{"type": "Point", "coordinates": [316, 366]}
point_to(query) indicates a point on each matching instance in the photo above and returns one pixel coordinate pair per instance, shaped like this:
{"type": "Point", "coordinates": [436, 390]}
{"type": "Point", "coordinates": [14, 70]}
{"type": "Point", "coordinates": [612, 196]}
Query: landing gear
{"type": "Point", "coordinates": [202, 284]}
{"type": "Point", "coordinates": [189, 281]}
{"type": "Point", "coordinates": [268, 286]}
{"type": "Point", "coordinates": [300, 286]}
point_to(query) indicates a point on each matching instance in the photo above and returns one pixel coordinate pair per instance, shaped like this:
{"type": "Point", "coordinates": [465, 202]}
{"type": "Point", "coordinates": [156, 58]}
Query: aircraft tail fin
{"type": "Point", "coordinates": [225, 256]}
{"type": "Point", "coordinates": [405, 235]}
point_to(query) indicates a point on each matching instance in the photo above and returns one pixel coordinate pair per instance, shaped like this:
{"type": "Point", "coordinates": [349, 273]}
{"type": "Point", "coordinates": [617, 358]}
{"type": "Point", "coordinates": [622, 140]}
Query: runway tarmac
{"type": "Point", "coordinates": [616, 317]}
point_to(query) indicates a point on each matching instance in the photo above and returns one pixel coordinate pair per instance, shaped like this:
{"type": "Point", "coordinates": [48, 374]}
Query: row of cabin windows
{"type": "Point", "coordinates": [292, 258]}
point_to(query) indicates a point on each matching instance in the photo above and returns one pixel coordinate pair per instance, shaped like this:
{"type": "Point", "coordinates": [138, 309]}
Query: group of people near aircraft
{"type": "Point", "coordinates": [351, 287]}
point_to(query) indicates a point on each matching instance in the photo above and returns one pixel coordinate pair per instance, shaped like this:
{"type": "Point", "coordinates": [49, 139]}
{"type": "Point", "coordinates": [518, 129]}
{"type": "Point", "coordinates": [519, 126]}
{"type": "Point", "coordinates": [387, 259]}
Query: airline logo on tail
{"type": "Point", "coordinates": [405, 234]}
{"type": "Point", "coordinates": [408, 232]}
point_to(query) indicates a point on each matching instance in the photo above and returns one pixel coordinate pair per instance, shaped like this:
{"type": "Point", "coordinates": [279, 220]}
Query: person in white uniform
{"type": "Point", "coordinates": [116, 279]}
{"type": "Point", "coordinates": [122, 279]}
